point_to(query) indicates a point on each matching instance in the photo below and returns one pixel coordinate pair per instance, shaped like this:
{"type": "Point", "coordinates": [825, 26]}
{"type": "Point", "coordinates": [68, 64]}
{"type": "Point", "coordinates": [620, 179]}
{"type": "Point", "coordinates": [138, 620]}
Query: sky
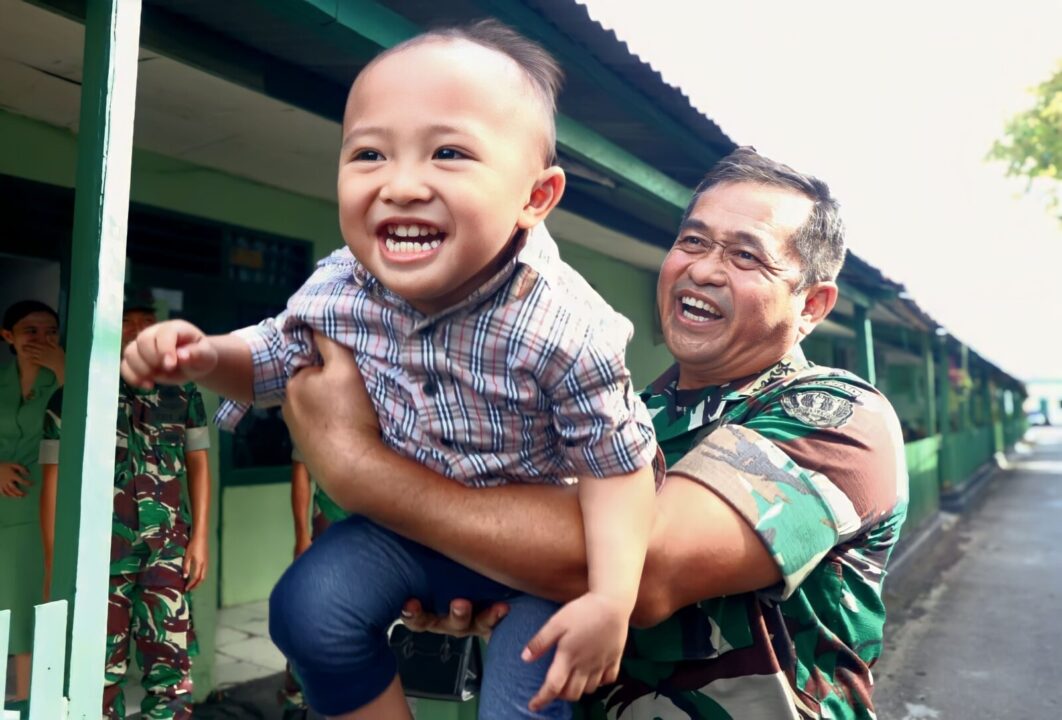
{"type": "Point", "coordinates": [895, 105]}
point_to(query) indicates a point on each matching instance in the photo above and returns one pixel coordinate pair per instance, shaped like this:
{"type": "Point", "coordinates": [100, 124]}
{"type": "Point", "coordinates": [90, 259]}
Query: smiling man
{"type": "Point", "coordinates": [786, 486]}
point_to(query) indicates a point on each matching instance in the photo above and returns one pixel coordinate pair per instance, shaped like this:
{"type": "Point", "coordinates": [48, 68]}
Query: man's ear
{"type": "Point", "coordinates": [546, 193]}
{"type": "Point", "coordinates": [819, 299]}
{"type": "Point", "coordinates": [7, 336]}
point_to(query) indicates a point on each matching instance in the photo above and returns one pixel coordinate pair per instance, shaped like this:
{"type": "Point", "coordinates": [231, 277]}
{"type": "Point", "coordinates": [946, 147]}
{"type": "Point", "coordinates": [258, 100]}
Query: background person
{"type": "Point", "coordinates": [31, 331]}
{"type": "Point", "coordinates": [159, 538]}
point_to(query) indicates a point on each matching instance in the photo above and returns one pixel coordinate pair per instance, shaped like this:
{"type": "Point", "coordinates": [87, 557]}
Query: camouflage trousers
{"type": "Point", "coordinates": [158, 621]}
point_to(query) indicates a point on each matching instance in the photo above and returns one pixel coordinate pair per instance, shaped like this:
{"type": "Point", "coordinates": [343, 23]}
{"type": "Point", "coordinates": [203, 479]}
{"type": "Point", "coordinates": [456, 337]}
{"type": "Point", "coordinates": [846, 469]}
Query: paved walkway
{"type": "Point", "coordinates": [975, 627]}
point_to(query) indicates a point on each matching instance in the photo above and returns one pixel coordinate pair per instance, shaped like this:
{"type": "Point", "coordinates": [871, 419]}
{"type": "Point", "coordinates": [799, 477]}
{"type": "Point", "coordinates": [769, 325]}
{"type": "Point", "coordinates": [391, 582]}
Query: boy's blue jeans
{"type": "Point", "coordinates": [331, 610]}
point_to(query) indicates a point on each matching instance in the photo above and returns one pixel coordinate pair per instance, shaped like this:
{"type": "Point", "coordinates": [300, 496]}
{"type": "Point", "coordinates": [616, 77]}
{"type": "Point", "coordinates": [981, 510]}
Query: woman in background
{"type": "Point", "coordinates": [31, 330]}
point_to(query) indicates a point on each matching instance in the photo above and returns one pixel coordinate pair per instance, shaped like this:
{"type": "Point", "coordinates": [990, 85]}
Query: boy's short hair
{"type": "Point", "coordinates": [540, 68]}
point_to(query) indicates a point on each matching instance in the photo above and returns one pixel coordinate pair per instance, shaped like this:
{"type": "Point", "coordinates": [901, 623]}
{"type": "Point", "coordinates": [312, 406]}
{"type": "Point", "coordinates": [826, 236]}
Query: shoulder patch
{"type": "Point", "coordinates": [817, 408]}
{"type": "Point", "coordinates": [845, 387]}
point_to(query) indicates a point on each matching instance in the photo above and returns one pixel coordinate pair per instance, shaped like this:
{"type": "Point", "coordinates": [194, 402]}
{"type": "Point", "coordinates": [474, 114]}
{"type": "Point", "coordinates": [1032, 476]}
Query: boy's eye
{"type": "Point", "coordinates": [368, 156]}
{"type": "Point", "coordinates": [448, 153]}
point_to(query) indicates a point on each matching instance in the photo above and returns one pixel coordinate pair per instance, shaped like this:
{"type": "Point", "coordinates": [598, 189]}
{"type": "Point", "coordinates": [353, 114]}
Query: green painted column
{"type": "Point", "coordinates": [931, 384]}
{"type": "Point", "coordinates": [864, 344]}
{"type": "Point", "coordinates": [965, 398]}
{"type": "Point", "coordinates": [944, 409]}
{"type": "Point", "coordinates": [86, 461]}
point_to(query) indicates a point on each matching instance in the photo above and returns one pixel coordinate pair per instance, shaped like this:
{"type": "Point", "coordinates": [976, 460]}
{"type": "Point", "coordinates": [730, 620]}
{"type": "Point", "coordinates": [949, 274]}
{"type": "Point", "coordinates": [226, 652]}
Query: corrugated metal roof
{"type": "Point", "coordinates": [608, 88]}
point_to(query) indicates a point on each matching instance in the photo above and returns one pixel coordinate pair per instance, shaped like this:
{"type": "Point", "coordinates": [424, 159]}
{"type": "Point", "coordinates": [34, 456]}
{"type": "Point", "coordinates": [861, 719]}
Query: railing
{"type": "Point", "coordinates": [923, 470]}
{"type": "Point", "coordinates": [49, 662]}
{"type": "Point", "coordinates": [962, 453]}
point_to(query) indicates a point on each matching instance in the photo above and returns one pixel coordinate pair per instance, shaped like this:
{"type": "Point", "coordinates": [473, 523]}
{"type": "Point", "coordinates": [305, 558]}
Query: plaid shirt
{"type": "Point", "coordinates": [524, 381]}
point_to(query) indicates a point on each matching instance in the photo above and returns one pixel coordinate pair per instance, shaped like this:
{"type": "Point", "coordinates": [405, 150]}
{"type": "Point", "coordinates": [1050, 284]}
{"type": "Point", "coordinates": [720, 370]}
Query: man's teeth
{"type": "Point", "coordinates": [411, 247]}
{"type": "Point", "coordinates": [411, 230]}
{"type": "Point", "coordinates": [707, 312]}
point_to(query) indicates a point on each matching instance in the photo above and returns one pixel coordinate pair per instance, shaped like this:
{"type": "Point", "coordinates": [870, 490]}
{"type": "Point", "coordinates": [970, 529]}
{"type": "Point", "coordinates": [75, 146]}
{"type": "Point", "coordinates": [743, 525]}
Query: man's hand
{"type": "Point", "coordinates": [589, 633]}
{"type": "Point", "coordinates": [12, 476]}
{"type": "Point", "coordinates": [195, 560]}
{"type": "Point", "coordinates": [332, 420]}
{"type": "Point", "coordinates": [171, 352]}
{"type": "Point", "coordinates": [459, 623]}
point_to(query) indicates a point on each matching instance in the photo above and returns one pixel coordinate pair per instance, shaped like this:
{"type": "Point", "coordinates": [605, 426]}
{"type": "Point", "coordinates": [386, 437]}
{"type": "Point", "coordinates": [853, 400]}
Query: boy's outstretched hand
{"type": "Point", "coordinates": [589, 633]}
{"type": "Point", "coordinates": [170, 352]}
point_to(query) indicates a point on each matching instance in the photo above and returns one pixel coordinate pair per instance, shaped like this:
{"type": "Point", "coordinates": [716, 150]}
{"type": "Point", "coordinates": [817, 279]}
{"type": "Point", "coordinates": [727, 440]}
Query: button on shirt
{"type": "Point", "coordinates": [523, 381]}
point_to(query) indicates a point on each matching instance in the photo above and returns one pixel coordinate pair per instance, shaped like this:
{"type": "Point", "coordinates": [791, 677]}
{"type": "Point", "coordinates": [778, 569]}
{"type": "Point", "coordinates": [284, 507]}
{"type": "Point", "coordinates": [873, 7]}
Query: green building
{"type": "Point", "coordinates": [216, 188]}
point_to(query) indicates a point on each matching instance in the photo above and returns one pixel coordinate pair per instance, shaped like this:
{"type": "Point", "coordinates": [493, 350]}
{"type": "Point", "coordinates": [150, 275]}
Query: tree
{"type": "Point", "coordinates": [1032, 142]}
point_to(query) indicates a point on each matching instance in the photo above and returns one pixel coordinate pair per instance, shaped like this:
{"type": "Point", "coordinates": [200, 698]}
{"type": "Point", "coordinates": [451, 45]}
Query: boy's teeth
{"type": "Point", "coordinates": [411, 230]}
{"type": "Point", "coordinates": [402, 246]}
{"type": "Point", "coordinates": [427, 237]}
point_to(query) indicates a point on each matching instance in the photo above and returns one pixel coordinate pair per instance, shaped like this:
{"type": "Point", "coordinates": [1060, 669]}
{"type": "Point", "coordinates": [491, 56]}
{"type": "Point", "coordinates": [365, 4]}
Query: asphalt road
{"type": "Point", "coordinates": [975, 615]}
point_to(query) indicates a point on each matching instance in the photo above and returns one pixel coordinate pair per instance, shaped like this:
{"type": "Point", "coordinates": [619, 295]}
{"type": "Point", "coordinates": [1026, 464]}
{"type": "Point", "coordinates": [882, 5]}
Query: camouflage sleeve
{"type": "Point", "coordinates": [53, 422]}
{"type": "Point", "coordinates": [806, 479]}
{"type": "Point", "coordinates": [196, 433]}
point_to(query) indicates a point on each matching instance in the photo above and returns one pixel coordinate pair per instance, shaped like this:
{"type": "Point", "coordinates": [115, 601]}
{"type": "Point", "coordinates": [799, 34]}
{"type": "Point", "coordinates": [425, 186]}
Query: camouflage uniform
{"type": "Point", "coordinates": [813, 459]}
{"type": "Point", "coordinates": [150, 531]}
{"type": "Point", "coordinates": [323, 513]}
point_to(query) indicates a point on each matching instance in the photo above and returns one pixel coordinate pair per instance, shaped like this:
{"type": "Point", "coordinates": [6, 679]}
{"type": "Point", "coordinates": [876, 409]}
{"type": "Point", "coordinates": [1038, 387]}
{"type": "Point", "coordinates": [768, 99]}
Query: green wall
{"type": "Point", "coordinates": [258, 540]}
{"type": "Point", "coordinates": [632, 292]}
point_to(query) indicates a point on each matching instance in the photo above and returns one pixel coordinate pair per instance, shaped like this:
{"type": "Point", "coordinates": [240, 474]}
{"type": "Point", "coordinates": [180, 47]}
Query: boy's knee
{"type": "Point", "coordinates": [293, 621]}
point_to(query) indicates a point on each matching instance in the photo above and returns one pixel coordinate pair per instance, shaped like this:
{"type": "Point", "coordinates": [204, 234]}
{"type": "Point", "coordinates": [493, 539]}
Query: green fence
{"type": "Point", "coordinates": [923, 469]}
{"type": "Point", "coordinates": [1014, 429]}
{"type": "Point", "coordinates": [962, 453]}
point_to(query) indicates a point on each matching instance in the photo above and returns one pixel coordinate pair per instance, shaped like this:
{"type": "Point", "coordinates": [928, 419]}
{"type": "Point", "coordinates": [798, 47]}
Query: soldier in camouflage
{"type": "Point", "coordinates": [762, 590]}
{"type": "Point", "coordinates": [159, 546]}
{"type": "Point", "coordinates": [322, 512]}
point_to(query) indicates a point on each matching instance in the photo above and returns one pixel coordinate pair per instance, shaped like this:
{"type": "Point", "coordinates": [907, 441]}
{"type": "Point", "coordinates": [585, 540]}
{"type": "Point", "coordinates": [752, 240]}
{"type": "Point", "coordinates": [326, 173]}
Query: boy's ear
{"type": "Point", "coordinates": [7, 336]}
{"type": "Point", "coordinates": [546, 193]}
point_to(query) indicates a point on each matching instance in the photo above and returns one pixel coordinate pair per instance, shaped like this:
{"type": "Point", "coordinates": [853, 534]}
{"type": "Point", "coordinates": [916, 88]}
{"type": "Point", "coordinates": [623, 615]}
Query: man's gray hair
{"type": "Point", "coordinates": [819, 243]}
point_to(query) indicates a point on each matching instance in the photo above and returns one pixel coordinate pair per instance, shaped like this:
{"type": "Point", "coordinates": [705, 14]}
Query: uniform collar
{"type": "Point", "coordinates": [9, 377]}
{"type": "Point", "coordinates": [793, 361]}
{"type": "Point", "coordinates": [706, 405]}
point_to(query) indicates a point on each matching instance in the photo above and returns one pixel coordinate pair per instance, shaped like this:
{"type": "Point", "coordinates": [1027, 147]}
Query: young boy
{"type": "Point", "coordinates": [487, 359]}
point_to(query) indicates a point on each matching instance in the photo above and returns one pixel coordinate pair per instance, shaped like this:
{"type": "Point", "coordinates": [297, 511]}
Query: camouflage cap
{"type": "Point", "coordinates": [138, 297]}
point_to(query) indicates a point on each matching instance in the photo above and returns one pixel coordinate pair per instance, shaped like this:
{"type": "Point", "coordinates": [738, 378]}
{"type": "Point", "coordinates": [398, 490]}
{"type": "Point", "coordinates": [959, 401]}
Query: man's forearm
{"type": "Point", "coordinates": [529, 537]}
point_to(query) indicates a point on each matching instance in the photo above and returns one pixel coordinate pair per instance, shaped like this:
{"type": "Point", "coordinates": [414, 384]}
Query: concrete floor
{"type": "Point", "coordinates": [974, 626]}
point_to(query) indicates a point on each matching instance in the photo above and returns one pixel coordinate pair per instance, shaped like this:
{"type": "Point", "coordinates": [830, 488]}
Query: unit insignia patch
{"type": "Point", "coordinates": [817, 408]}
